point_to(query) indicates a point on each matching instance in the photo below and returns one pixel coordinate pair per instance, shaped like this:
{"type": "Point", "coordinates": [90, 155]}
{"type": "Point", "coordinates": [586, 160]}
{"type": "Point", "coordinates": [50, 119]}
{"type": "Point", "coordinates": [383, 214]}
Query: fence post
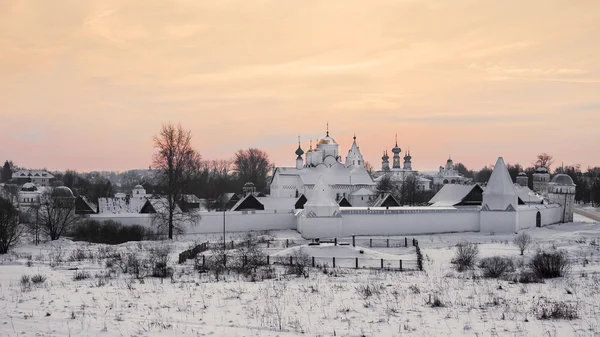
{"type": "Point", "coordinates": [370, 243]}
{"type": "Point", "coordinates": [357, 263]}
{"type": "Point", "coordinates": [400, 265]}
{"type": "Point", "coordinates": [353, 240]}
{"type": "Point", "coordinates": [287, 243]}
{"type": "Point", "coordinates": [387, 243]}
{"type": "Point", "coordinates": [334, 262]}
{"type": "Point", "coordinates": [335, 241]}
{"type": "Point", "coordinates": [313, 261]}
{"type": "Point", "coordinates": [231, 244]}
{"type": "Point", "coordinates": [405, 242]}
{"type": "Point", "coordinates": [224, 260]}
{"type": "Point", "coordinates": [381, 263]}
{"type": "Point", "coordinates": [268, 262]}
{"type": "Point", "coordinates": [291, 260]}
{"type": "Point", "coordinates": [203, 261]}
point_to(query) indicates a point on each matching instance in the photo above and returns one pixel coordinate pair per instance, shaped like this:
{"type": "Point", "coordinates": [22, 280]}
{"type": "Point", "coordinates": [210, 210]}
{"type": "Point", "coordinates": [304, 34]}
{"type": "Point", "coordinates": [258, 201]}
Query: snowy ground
{"type": "Point", "coordinates": [324, 304]}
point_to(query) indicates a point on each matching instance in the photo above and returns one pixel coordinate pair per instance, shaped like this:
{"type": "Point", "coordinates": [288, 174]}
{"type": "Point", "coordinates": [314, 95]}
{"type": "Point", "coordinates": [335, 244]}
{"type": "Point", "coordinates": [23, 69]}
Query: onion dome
{"type": "Point", "coordinates": [396, 149]}
{"type": "Point", "coordinates": [563, 179]}
{"type": "Point", "coordinates": [62, 192]}
{"type": "Point", "coordinates": [541, 169]}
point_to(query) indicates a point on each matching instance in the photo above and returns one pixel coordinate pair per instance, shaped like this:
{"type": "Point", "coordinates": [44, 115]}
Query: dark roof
{"type": "Point", "coordinates": [344, 202]}
{"type": "Point", "coordinates": [249, 202]}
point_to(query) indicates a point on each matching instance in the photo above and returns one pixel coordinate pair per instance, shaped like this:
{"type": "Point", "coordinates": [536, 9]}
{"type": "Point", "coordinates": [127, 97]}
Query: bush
{"type": "Point", "coordinates": [556, 310]}
{"type": "Point", "coordinates": [109, 232]}
{"type": "Point", "coordinates": [465, 256]}
{"type": "Point", "coordinates": [159, 258]}
{"type": "Point", "coordinates": [38, 279]}
{"type": "Point", "coordinates": [81, 275]}
{"type": "Point", "coordinates": [300, 262]}
{"type": "Point", "coordinates": [496, 266]}
{"type": "Point", "coordinates": [549, 264]}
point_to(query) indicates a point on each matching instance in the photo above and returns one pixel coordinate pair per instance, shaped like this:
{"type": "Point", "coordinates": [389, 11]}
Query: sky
{"type": "Point", "coordinates": [86, 84]}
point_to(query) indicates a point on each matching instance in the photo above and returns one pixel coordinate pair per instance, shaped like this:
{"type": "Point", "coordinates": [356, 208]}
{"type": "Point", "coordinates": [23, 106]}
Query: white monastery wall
{"type": "Point", "coordinates": [499, 221]}
{"type": "Point", "coordinates": [381, 222]}
{"type": "Point", "coordinates": [550, 214]}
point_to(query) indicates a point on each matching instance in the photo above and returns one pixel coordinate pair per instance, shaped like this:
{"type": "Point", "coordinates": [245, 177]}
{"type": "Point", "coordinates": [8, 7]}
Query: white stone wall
{"type": "Point", "coordinates": [412, 222]}
{"type": "Point", "coordinates": [325, 227]}
{"type": "Point", "coordinates": [550, 214]}
{"type": "Point", "coordinates": [499, 222]}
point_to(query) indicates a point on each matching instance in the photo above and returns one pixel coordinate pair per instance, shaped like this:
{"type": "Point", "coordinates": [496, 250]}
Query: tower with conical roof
{"type": "Point", "coordinates": [407, 161]}
{"type": "Point", "coordinates": [500, 202]}
{"type": "Point", "coordinates": [396, 150]}
{"type": "Point", "coordinates": [299, 153]}
{"type": "Point", "coordinates": [354, 157]}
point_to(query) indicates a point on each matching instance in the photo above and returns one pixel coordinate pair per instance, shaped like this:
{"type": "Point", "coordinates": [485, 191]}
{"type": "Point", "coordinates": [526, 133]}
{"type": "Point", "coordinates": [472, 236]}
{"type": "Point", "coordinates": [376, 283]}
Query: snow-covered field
{"type": "Point", "coordinates": [335, 302]}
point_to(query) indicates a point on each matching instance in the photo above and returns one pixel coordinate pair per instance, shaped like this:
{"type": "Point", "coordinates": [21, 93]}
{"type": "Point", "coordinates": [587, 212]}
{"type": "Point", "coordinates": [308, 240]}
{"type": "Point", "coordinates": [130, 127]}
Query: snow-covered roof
{"type": "Point", "coordinates": [120, 205]}
{"type": "Point", "coordinates": [32, 174]}
{"type": "Point", "coordinates": [273, 203]}
{"type": "Point", "coordinates": [191, 199]}
{"type": "Point", "coordinates": [527, 196]}
{"type": "Point", "coordinates": [500, 182]}
{"type": "Point", "coordinates": [362, 192]}
{"type": "Point", "coordinates": [450, 195]}
{"type": "Point", "coordinates": [161, 205]}
{"type": "Point", "coordinates": [337, 175]}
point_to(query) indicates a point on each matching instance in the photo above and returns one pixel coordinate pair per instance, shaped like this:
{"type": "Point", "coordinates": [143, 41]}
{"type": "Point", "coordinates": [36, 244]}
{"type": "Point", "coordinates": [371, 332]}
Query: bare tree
{"type": "Point", "coordinates": [172, 222]}
{"type": "Point", "coordinates": [252, 165]}
{"type": "Point", "coordinates": [522, 241]}
{"type": "Point", "coordinates": [220, 167]}
{"type": "Point", "coordinates": [385, 184]}
{"type": "Point", "coordinates": [409, 190]}
{"type": "Point", "coordinates": [10, 229]}
{"type": "Point", "coordinates": [369, 167]}
{"type": "Point", "coordinates": [56, 214]}
{"type": "Point", "coordinates": [177, 162]}
{"type": "Point", "coordinates": [544, 159]}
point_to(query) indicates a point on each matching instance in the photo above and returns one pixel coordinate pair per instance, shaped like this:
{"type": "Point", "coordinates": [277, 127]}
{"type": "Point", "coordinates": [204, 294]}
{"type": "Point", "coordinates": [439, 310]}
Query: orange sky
{"type": "Point", "coordinates": [86, 84]}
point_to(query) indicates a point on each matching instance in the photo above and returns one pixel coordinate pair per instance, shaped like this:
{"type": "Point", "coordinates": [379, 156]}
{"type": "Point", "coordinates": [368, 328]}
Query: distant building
{"type": "Point", "coordinates": [41, 178]}
{"type": "Point", "coordinates": [449, 175]}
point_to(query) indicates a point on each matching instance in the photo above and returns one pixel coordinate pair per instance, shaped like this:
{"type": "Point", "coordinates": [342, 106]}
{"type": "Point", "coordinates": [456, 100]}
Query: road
{"type": "Point", "coordinates": [588, 213]}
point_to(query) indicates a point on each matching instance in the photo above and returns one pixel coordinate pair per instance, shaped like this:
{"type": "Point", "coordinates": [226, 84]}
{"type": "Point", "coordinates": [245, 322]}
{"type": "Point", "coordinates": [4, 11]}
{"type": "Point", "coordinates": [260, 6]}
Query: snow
{"type": "Point", "coordinates": [332, 303]}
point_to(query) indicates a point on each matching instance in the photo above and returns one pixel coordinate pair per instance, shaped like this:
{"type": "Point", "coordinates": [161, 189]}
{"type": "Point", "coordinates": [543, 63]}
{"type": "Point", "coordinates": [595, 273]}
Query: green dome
{"type": "Point", "coordinates": [299, 152]}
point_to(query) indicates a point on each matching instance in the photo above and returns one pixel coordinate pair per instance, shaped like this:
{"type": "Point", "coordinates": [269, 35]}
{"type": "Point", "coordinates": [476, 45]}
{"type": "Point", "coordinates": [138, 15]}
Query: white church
{"type": "Point", "coordinates": [349, 179]}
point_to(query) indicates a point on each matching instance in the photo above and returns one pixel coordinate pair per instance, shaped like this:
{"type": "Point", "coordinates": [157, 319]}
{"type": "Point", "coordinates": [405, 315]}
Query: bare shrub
{"type": "Point", "coordinates": [368, 290]}
{"type": "Point", "coordinates": [550, 264]}
{"type": "Point", "coordinates": [300, 262]}
{"type": "Point", "coordinates": [465, 256]}
{"type": "Point", "coordinates": [159, 259]}
{"type": "Point", "coordinates": [81, 275]}
{"type": "Point", "coordinates": [522, 241]}
{"type": "Point", "coordinates": [25, 283]}
{"type": "Point", "coordinates": [80, 254]}
{"type": "Point", "coordinates": [546, 309]}
{"type": "Point", "coordinates": [38, 279]}
{"type": "Point", "coordinates": [496, 266]}
{"type": "Point", "coordinates": [435, 301]}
